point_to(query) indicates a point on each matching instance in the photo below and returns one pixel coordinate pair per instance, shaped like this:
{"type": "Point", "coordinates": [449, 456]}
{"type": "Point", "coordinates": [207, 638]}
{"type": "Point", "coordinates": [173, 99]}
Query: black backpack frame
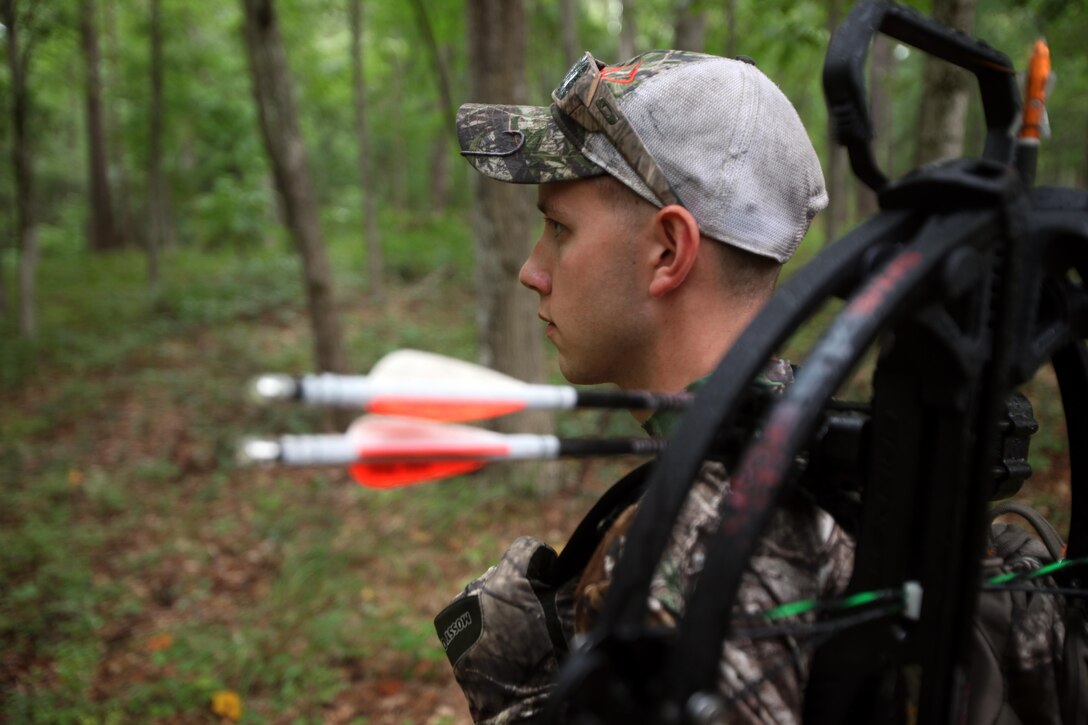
{"type": "Point", "coordinates": [968, 281]}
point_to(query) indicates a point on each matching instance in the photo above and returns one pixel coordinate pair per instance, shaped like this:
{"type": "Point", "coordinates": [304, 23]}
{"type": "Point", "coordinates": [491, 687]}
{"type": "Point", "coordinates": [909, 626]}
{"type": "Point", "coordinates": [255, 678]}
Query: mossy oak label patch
{"type": "Point", "coordinates": [459, 626]}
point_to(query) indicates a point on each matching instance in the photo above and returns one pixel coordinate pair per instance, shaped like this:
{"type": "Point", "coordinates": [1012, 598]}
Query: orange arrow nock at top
{"type": "Point", "coordinates": [1035, 92]}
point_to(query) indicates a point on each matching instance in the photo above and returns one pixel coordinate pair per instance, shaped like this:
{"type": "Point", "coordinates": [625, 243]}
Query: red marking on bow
{"type": "Point", "coordinates": [873, 296]}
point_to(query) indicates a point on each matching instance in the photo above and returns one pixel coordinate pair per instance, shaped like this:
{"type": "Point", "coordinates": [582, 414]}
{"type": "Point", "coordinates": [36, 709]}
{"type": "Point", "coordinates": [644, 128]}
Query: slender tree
{"type": "Point", "coordinates": [730, 28]}
{"type": "Point", "coordinates": [439, 69]}
{"type": "Point", "coordinates": [374, 264]}
{"type": "Point", "coordinates": [689, 31]}
{"type": "Point", "coordinates": [945, 92]}
{"type": "Point", "coordinates": [440, 156]}
{"type": "Point", "coordinates": [568, 18]}
{"type": "Point", "coordinates": [628, 31]}
{"type": "Point", "coordinates": [156, 212]}
{"type": "Point", "coordinates": [279, 124]}
{"type": "Point", "coordinates": [102, 230]}
{"type": "Point", "coordinates": [398, 105]}
{"type": "Point", "coordinates": [503, 212]}
{"type": "Point", "coordinates": [125, 224]}
{"type": "Point", "coordinates": [22, 159]}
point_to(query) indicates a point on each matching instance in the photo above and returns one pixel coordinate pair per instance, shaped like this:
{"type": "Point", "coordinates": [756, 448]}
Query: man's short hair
{"type": "Point", "coordinates": [745, 275]}
{"type": "Point", "coordinates": [742, 273]}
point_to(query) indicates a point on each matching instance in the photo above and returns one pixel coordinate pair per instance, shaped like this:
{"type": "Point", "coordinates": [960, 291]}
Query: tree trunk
{"type": "Point", "coordinates": [730, 28]}
{"type": "Point", "coordinates": [397, 107]}
{"type": "Point", "coordinates": [439, 69]}
{"type": "Point", "coordinates": [440, 167]}
{"type": "Point", "coordinates": [22, 160]}
{"type": "Point", "coordinates": [126, 225]}
{"type": "Point", "coordinates": [156, 213]}
{"type": "Point", "coordinates": [509, 341]}
{"type": "Point", "coordinates": [374, 264]}
{"type": "Point", "coordinates": [835, 214]}
{"type": "Point", "coordinates": [690, 29]}
{"type": "Point", "coordinates": [568, 18]}
{"type": "Point", "coordinates": [628, 31]}
{"type": "Point", "coordinates": [945, 92]}
{"type": "Point", "coordinates": [287, 154]}
{"type": "Point", "coordinates": [102, 230]}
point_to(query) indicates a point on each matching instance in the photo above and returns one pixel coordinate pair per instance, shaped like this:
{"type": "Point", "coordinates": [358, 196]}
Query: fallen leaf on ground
{"type": "Point", "coordinates": [159, 642]}
{"type": "Point", "coordinates": [228, 704]}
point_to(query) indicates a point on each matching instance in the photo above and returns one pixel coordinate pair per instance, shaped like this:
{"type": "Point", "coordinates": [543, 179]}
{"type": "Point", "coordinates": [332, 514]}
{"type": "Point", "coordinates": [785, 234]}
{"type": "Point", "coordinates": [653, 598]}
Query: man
{"type": "Point", "coordinates": [673, 187]}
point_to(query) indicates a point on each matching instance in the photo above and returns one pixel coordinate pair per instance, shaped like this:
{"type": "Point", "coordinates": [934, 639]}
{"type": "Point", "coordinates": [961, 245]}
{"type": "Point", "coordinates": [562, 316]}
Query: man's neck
{"type": "Point", "coordinates": [688, 348]}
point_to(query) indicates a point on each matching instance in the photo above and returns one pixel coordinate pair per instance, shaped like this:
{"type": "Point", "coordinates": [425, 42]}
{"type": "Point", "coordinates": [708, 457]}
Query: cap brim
{"type": "Point", "coordinates": [520, 144]}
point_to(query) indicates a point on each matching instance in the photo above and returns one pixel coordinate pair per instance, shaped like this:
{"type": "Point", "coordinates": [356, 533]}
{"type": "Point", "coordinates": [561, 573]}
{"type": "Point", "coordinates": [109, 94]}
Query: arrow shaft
{"type": "Point", "coordinates": [338, 450]}
{"type": "Point", "coordinates": [633, 399]}
{"type": "Point", "coordinates": [400, 396]}
{"type": "Point", "coordinates": [362, 391]}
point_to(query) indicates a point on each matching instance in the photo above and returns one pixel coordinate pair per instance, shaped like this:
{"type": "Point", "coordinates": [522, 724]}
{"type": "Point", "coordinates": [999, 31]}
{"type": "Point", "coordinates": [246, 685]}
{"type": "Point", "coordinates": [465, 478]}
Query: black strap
{"type": "Point", "coordinates": [587, 536]}
{"type": "Point", "coordinates": [544, 561]}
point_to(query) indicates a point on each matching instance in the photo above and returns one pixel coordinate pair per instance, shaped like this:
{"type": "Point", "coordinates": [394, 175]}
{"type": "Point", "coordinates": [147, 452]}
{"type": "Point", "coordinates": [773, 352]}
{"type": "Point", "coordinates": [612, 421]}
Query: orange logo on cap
{"type": "Point", "coordinates": [623, 74]}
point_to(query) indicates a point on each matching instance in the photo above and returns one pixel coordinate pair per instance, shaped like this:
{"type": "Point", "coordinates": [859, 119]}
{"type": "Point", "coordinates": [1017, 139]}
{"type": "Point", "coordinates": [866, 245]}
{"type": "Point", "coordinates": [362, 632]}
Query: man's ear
{"type": "Point", "coordinates": [677, 238]}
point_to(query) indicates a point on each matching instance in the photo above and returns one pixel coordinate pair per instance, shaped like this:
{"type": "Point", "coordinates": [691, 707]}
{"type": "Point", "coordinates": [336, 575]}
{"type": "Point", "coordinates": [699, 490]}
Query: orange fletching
{"type": "Point", "coordinates": [401, 451]}
{"type": "Point", "coordinates": [405, 473]}
{"type": "Point", "coordinates": [449, 411]}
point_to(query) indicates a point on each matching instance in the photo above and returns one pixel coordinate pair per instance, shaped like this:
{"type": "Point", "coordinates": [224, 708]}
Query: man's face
{"type": "Point", "coordinates": [589, 268]}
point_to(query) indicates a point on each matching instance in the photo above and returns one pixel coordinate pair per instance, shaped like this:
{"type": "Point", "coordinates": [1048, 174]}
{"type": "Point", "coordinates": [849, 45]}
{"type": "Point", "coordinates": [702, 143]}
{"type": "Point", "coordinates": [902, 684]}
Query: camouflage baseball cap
{"type": "Point", "coordinates": [726, 140]}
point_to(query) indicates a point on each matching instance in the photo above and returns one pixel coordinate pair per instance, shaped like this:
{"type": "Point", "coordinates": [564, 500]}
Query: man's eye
{"type": "Point", "coordinates": [556, 228]}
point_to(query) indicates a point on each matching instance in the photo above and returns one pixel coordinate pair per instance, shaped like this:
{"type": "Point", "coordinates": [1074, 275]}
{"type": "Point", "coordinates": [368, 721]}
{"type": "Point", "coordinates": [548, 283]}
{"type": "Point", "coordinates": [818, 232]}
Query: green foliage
{"type": "Point", "coordinates": [98, 312]}
{"type": "Point", "coordinates": [219, 183]}
{"type": "Point", "coordinates": [231, 214]}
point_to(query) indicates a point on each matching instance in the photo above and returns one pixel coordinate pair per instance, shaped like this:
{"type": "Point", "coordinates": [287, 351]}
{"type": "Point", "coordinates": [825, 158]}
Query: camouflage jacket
{"type": "Point", "coordinates": [803, 554]}
{"type": "Point", "coordinates": [1029, 649]}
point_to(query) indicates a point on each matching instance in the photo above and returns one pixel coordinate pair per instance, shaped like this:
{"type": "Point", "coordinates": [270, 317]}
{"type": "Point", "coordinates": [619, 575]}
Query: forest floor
{"type": "Point", "coordinates": [146, 577]}
{"type": "Point", "coordinates": [149, 578]}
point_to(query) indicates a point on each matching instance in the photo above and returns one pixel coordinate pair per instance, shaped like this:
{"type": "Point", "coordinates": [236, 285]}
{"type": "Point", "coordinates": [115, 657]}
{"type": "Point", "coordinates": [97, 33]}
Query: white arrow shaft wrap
{"type": "Point", "coordinates": [359, 390]}
{"type": "Point", "coordinates": [318, 450]}
{"type": "Point", "coordinates": [336, 450]}
{"type": "Point", "coordinates": [526, 446]}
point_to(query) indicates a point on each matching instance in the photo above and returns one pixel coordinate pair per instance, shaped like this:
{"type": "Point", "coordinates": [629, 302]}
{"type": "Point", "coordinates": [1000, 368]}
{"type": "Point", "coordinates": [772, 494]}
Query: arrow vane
{"type": "Point", "coordinates": [424, 385]}
{"type": "Point", "coordinates": [386, 452]}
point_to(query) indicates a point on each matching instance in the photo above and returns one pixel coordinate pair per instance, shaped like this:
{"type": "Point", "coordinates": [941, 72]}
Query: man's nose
{"type": "Point", "coordinates": [533, 276]}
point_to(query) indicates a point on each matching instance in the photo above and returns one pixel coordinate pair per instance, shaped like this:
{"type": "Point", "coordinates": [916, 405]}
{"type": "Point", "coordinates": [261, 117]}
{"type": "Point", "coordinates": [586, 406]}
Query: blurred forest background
{"type": "Point", "coordinates": [196, 192]}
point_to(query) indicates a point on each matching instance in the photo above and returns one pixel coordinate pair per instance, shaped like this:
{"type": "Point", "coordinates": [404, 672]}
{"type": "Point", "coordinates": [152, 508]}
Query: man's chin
{"type": "Point", "coordinates": [576, 375]}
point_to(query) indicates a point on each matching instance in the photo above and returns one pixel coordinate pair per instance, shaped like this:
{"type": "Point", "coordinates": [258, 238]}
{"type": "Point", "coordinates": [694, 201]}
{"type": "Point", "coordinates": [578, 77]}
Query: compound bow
{"type": "Point", "coordinates": [968, 281]}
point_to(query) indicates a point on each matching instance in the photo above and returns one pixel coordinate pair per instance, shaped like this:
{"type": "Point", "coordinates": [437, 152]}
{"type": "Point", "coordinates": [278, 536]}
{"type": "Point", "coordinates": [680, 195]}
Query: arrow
{"type": "Point", "coordinates": [434, 387]}
{"type": "Point", "coordinates": [387, 452]}
{"type": "Point", "coordinates": [1034, 124]}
